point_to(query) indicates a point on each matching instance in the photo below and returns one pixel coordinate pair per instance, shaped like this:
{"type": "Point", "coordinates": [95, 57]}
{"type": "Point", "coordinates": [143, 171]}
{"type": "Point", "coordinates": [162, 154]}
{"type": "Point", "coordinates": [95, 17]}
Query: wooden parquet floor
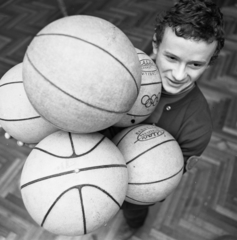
{"type": "Point", "coordinates": [204, 206]}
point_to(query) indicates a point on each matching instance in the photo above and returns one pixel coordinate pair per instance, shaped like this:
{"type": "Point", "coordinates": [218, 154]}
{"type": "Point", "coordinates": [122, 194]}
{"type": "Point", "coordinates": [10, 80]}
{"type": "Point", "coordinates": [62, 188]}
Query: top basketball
{"type": "Point", "coordinates": [81, 73]}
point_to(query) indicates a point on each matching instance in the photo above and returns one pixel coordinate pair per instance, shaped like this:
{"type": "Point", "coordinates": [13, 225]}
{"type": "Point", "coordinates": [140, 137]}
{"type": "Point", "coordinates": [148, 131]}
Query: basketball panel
{"type": "Point", "coordinates": [156, 164]}
{"type": "Point", "coordinates": [64, 113]}
{"type": "Point", "coordinates": [18, 117]}
{"type": "Point", "coordinates": [108, 37]}
{"type": "Point", "coordinates": [30, 131]}
{"type": "Point", "coordinates": [151, 193]}
{"type": "Point", "coordinates": [83, 65]}
{"type": "Point", "coordinates": [14, 103]}
{"type": "Point", "coordinates": [48, 167]}
{"type": "Point", "coordinates": [99, 207]}
{"type": "Point", "coordinates": [66, 217]}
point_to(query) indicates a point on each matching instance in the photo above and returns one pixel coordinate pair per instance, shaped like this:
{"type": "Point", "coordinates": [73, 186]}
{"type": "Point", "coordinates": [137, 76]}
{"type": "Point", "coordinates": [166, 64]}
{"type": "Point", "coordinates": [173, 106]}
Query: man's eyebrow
{"type": "Point", "coordinates": [171, 54]}
{"type": "Point", "coordinates": [192, 61]}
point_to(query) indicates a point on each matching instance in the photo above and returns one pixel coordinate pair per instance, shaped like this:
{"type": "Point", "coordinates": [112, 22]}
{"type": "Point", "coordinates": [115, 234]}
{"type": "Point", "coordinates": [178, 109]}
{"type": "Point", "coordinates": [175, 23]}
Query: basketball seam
{"type": "Point", "coordinates": [145, 84]}
{"type": "Point", "coordinates": [138, 200]}
{"type": "Point", "coordinates": [147, 183]}
{"type": "Point", "coordinates": [149, 71]}
{"type": "Point", "coordinates": [73, 153]}
{"type": "Point", "coordinates": [71, 172]}
{"type": "Point", "coordinates": [72, 144]}
{"type": "Point", "coordinates": [4, 84]}
{"type": "Point", "coordinates": [93, 44]}
{"type": "Point", "coordinates": [73, 97]}
{"type": "Point", "coordinates": [140, 115]}
{"type": "Point", "coordinates": [133, 159]}
{"type": "Point", "coordinates": [18, 120]}
{"type": "Point", "coordinates": [83, 211]}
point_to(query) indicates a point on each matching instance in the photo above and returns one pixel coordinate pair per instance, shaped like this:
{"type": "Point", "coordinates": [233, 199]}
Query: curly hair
{"type": "Point", "coordinates": [193, 19]}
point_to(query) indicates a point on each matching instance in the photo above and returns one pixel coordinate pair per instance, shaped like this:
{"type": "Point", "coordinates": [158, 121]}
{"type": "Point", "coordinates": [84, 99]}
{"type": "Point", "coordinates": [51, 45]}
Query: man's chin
{"type": "Point", "coordinates": [174, 91]}
{"type": "Point", "coordinates": [170, 91]}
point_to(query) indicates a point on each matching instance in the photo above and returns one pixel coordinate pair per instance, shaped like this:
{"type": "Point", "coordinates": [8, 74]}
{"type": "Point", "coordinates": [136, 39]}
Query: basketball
{"type": "Point", "coordinates": [72, 184]}
{"type": "Point", "coordinates": [149, 94]}
{"type": "Point", "coordinates": [81, 73]}
{"type": "Point", "coordinates": [17, 115]}
{"type": "Point", "coordinates": [154, 160]}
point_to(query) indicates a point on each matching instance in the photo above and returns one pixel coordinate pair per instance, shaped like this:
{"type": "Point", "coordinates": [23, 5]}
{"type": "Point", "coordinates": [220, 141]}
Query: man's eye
{"type": "Point", "coordinates": [196, 65]}
{"type": "Point", "coordinates": [171, 57]}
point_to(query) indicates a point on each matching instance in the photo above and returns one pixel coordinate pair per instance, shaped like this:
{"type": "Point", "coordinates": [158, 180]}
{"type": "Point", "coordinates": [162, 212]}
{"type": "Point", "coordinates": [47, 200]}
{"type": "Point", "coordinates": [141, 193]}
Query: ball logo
{"type": "Point", "coordinates": [147, 64]}
{"type": "Point", "coordinates": [148, 101]}
{"type": "Point", "coordinates": [147, 134]}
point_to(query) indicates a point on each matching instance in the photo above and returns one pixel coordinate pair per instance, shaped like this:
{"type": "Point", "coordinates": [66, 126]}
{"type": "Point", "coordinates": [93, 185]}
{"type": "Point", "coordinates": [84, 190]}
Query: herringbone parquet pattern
{"type": "Point", "coordinates": [205, 204]}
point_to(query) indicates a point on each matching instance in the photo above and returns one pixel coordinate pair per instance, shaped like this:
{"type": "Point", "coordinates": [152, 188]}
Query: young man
{"type": "Point", "coordinates": [186, 42]}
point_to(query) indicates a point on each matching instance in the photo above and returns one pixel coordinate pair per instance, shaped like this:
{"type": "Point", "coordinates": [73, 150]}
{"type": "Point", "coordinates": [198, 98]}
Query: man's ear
{"type": "Point", "coordinates": [154, 45]}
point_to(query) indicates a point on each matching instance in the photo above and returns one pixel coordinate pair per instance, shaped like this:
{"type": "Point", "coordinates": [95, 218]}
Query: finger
{"type": "Point", "coordinates": [20, 144]}
{"type": "Point", "coordinates": [7, 135]}
{"type": "Point", "coordinates": [31, 145]}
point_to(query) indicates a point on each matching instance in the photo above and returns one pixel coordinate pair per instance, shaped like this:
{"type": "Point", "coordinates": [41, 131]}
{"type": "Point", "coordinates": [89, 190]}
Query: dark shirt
{"type": "Point", "coordinates": [189, 121]}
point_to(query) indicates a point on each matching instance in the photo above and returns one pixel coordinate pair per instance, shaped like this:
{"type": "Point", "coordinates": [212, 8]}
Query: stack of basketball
{"type": "Point", "coordinates": [81, 75]}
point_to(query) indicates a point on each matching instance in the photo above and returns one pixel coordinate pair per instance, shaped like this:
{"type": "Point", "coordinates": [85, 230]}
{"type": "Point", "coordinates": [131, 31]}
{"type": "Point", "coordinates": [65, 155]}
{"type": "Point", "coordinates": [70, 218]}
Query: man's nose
{"type": "Point", "coordinates": [179, 73]}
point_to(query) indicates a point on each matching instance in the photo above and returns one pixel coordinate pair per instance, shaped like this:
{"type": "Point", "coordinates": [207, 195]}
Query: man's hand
{"type": "Point", "coordinates": [191, 162]}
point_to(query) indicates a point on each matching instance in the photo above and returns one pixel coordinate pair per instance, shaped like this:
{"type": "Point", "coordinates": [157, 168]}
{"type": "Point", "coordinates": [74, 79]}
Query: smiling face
{"type": "Point", "coordinates": [181, 61]}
